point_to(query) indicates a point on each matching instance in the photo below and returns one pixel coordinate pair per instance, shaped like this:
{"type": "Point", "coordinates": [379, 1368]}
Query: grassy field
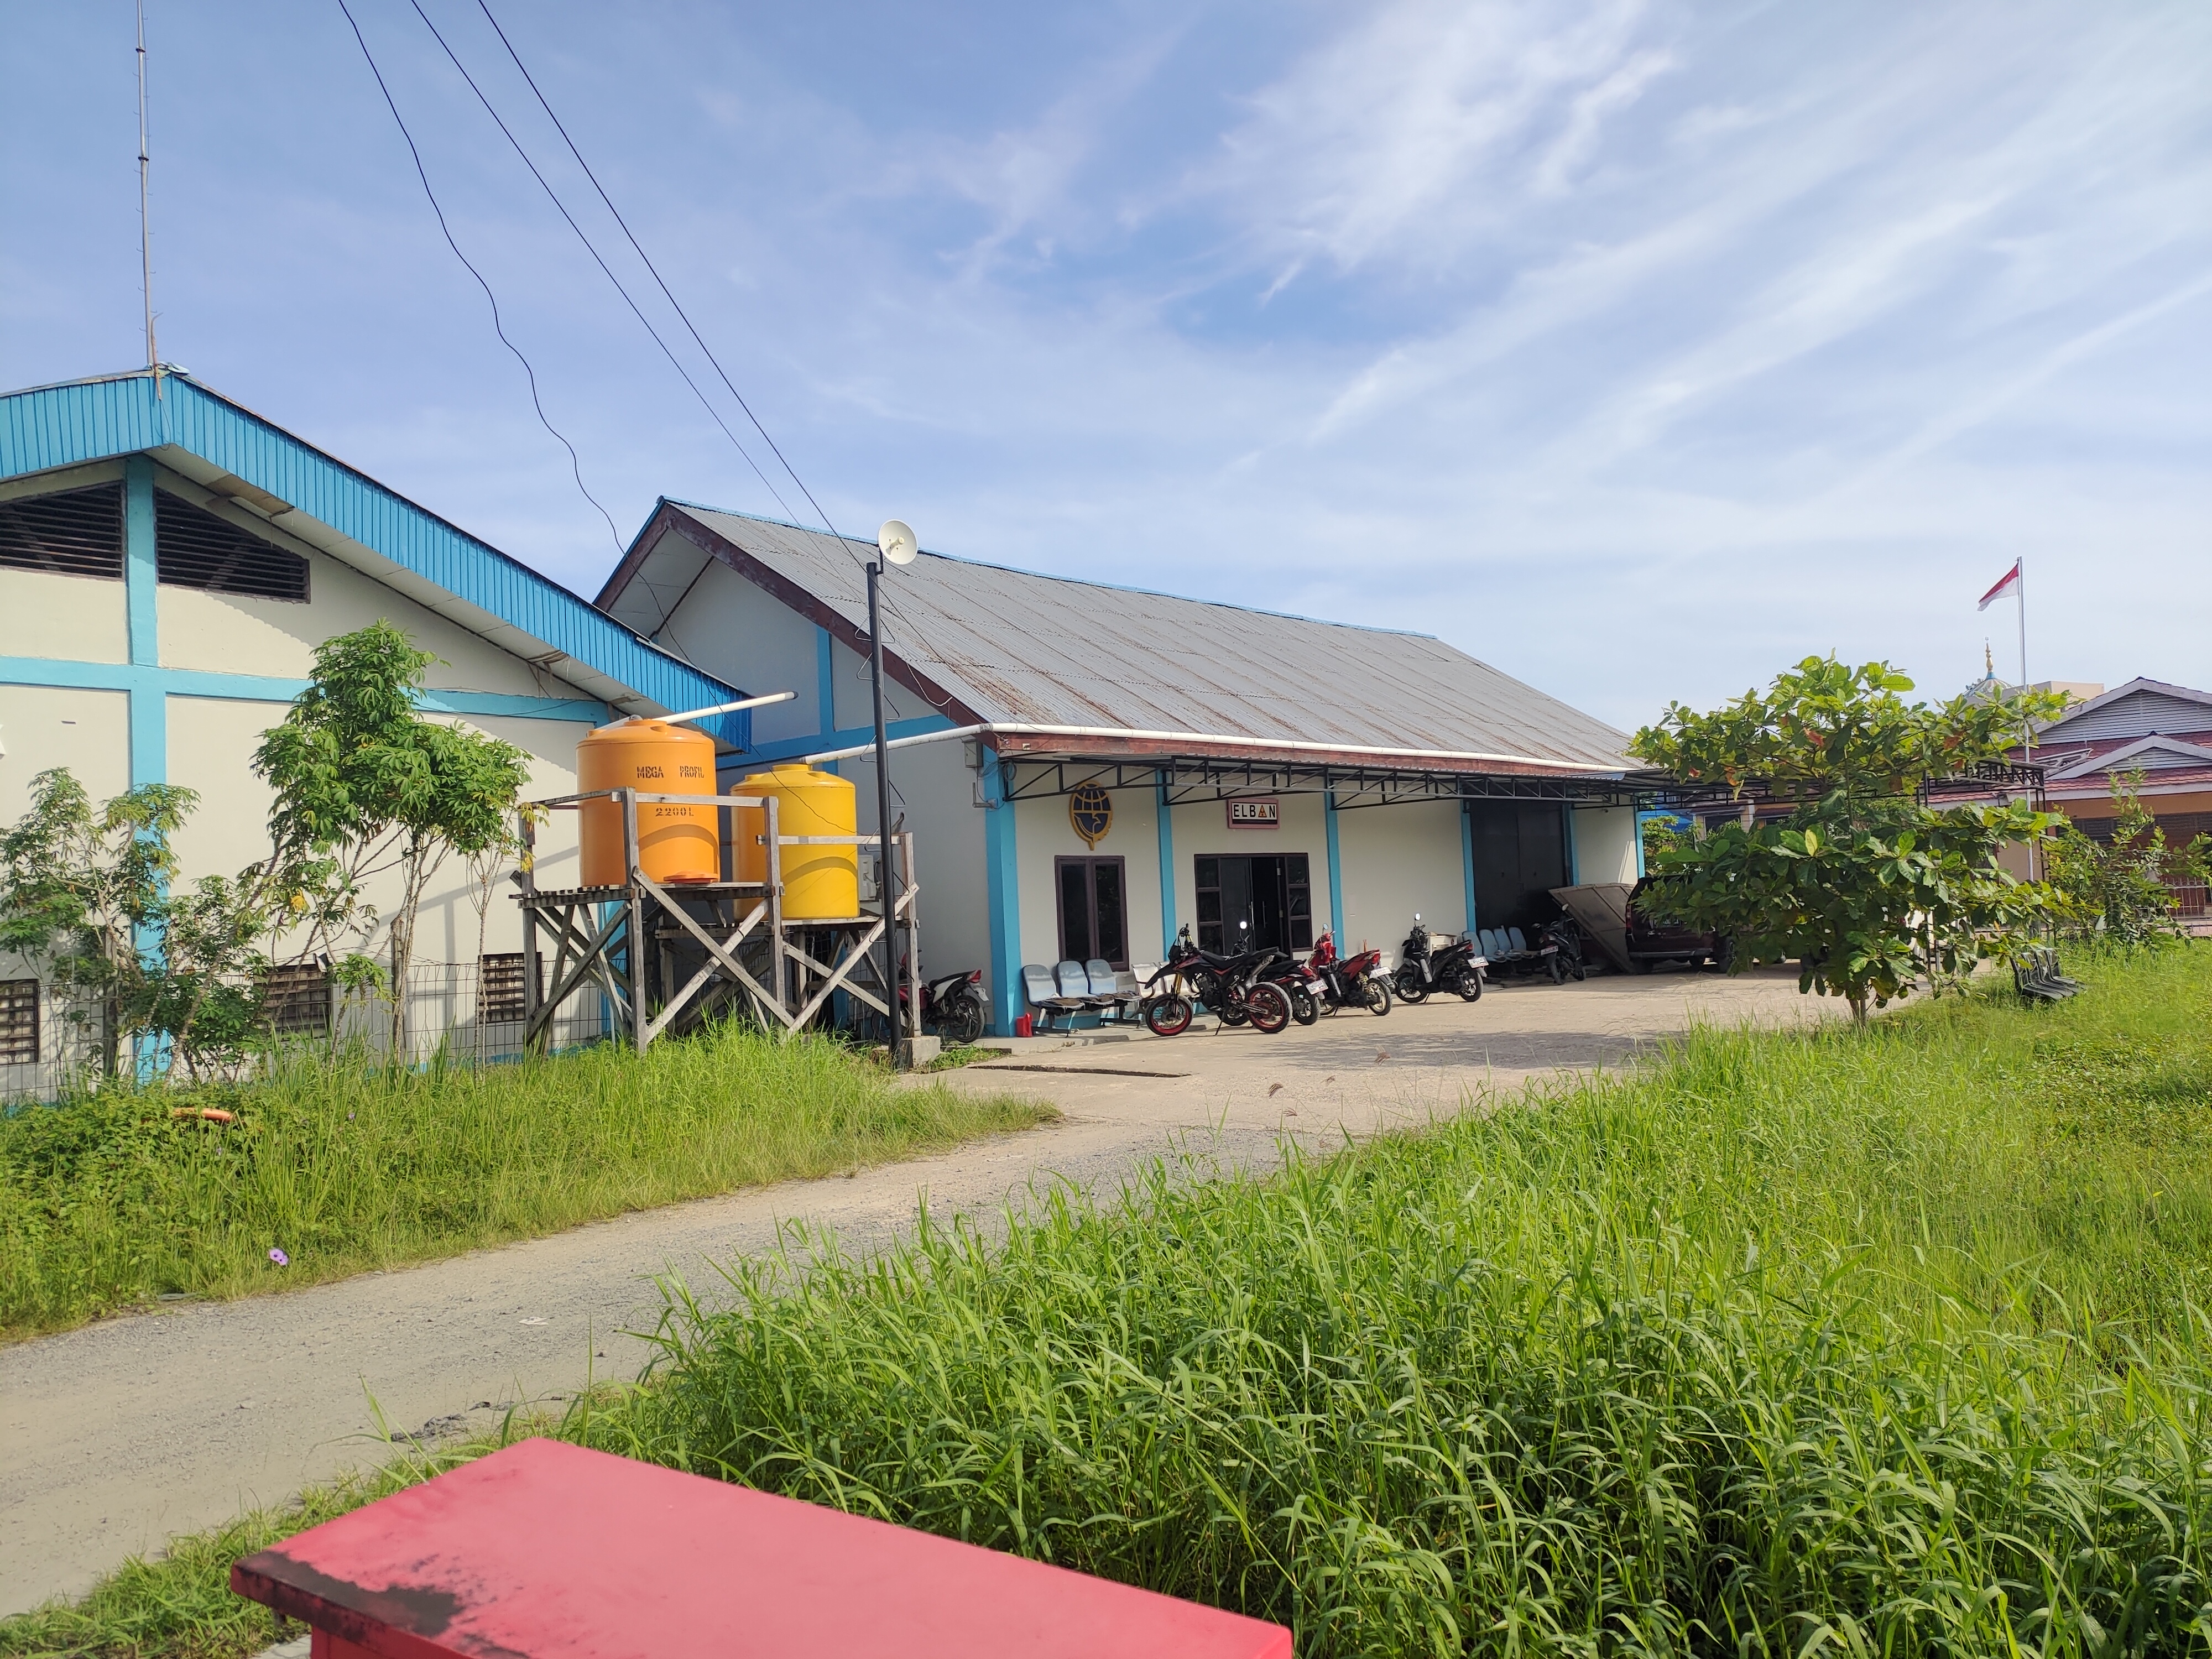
{"type": "Point", "coordinates": [109, 1201]}
{"type": "Point", "coordinates": [1883, 1341]}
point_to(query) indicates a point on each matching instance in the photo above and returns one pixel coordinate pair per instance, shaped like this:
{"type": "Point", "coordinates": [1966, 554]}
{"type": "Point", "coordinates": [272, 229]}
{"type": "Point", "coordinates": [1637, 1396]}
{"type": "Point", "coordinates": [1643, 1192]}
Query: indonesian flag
{"type": "Point", "coordinates": [2008, 583]}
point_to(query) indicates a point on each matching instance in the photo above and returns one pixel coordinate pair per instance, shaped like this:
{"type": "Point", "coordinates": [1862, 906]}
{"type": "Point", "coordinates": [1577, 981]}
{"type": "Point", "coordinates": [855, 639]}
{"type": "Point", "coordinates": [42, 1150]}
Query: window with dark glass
{"type": "Point", "coordinates": [1094, 912]}
{"type": "Point", "coordinates": [1272, 894]}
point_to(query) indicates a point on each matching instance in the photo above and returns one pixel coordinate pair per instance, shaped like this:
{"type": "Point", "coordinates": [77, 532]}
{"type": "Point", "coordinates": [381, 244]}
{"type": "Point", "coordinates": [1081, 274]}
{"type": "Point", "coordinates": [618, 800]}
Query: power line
{"type": "Point", "coordinates": [485, 8]}
{"type": "Point", "coordinates": [575, 466]}
{"type": "Point", "coordinates": [722, 373]}
{"type": "Point", "coordinates": [553, 196]}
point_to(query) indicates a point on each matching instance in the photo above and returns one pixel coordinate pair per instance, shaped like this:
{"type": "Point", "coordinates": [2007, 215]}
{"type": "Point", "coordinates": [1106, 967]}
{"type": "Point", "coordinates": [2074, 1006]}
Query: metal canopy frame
{"type": "Point", "coordinates": [668, 956]}
{"type": "Point", "coordinates": [1197, 778]}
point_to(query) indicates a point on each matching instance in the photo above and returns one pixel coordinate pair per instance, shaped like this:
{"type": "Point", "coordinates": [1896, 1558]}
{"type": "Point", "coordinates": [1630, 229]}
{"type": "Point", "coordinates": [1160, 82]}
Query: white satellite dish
{"type": "Point", "coordinates": [898, 541]}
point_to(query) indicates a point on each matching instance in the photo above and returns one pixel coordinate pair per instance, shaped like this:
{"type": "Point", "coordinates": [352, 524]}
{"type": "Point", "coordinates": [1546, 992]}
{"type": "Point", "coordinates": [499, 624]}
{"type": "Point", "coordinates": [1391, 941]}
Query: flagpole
{"type": "Point", "coordinates": [2027, 725]}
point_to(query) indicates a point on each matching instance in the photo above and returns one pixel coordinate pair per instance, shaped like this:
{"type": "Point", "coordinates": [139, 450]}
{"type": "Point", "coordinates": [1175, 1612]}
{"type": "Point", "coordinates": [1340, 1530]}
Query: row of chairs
{"type": "Point", "coordinates": [1078, 988]}
{"type": "Point", "coordinates": [1495, 942]}
{"type": "Point", "coordinates": [2036, 976]}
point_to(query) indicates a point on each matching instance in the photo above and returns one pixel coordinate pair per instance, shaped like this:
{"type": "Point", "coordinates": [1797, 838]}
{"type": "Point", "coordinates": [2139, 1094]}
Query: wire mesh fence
{"type": "Point", "coordinates": [471, 1012]}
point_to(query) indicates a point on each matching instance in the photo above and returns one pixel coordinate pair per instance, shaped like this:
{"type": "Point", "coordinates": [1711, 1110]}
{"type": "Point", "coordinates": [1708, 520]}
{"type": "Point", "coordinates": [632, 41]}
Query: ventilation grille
{"type": "Point", "coordinates": [19, 1021]}
{"type": "Point", "coordinates": [78, 532]}
{"type": "Point", "coordinates": [499, 991]}
{"type": "Point", "coordinates": [198, 550]}
{"type": "Point", "coordinates": [296, 1000]}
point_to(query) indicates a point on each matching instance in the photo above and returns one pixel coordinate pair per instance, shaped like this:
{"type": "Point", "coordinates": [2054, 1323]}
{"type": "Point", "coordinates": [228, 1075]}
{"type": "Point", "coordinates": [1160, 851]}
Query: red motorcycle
{"type": "Point", "coordinates": [1352, 983]}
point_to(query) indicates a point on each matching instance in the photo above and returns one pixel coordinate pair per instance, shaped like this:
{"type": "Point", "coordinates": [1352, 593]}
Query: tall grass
{"type": "Point", "coordinates": [1837, 1341]}
{"type": "Point", "coordinates": [1883, 1341]}
{"type": "Point", "coordinates": [109, 1200]}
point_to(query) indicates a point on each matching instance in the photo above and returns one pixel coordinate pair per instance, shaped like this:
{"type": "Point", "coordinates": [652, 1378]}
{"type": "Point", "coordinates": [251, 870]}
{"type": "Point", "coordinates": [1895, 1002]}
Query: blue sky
{"type": "Point", "coordinates": [1639, 349]}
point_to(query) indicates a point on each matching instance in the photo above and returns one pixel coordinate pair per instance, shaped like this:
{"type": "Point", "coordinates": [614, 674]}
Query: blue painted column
{"type": "Point", "coordinates": [1466, 858]}
{"type": "Point", "coordinates": [1163, 814]}
{"type": "Point", "coordinates": [150, 705]}
{"type": "Point", "coordinates": [1574, 858]}
{"type": "Point", "coordinates": [1335, 874]}
{"type": "Point", "coordinates": [1003, 896]}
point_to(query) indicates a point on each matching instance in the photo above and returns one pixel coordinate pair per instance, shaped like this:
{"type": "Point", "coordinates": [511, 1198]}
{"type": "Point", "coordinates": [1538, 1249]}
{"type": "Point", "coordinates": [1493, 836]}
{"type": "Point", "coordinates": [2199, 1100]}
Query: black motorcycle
{"type": "Point", "coordinates": [1300, 984]}
{"type": "Point", "coordinates": [1423, 967]}
{"type": "Point", "coordinates": [953, 1007]}
{"type": "Point", "coordinates": [1229, 987]}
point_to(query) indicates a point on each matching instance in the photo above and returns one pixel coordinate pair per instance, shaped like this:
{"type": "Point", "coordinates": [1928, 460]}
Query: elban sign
{"type": "Point", "coordinates": [1255, 814]}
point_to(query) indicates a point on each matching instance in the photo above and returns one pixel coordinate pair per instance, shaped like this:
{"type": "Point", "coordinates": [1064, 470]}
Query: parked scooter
{"type": "Point", "coordinates": [952, 1006]}
{"type": "Point", "coordinates": [1351, 983]}
{"type": "Point", "coordinates": [1231, 987]}
{"type": "Point", "coordinates": [1423, 967]}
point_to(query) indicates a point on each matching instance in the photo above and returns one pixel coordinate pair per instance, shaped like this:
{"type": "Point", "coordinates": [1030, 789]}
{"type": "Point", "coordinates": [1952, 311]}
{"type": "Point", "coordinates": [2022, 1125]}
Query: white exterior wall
{"type": "Point", "coordinates": [731, 630]}
{"type": "Point", "coordinates": [75, 618]}
{"type": "Point", "coordinates": [933, 790]}
{"type": "Point", "coordinates": [1605, 843]}
{"type": "Point", "coordinates": [1398, 860]}
{"type": "Point", "coordinates": [1043, 833]}
{"type": "Point", "coordinates": [212, 739]}
{"type": "Point", "coordinates": [1202, 830]}
{"type": "Point", "coordinates": [239, 634]}
{"type": "Point", "coordinates": [46, 726]}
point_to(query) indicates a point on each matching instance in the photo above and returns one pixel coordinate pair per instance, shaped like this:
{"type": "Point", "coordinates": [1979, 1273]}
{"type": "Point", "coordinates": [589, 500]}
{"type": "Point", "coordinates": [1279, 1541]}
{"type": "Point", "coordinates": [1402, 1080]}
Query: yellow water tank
{"type": "Point", "coordinates": [820, 883]}
{"type": "Point", "coordinates": [674, 844]}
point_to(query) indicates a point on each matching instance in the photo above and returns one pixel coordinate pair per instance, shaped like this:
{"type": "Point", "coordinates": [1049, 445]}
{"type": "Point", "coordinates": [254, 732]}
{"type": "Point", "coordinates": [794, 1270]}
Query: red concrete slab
{"type": "Point", "coordinates": [551, 1552]}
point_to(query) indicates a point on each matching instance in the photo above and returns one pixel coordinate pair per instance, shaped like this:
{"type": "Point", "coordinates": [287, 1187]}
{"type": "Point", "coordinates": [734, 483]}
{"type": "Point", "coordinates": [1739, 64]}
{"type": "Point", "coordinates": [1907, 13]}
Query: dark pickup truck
{"type": "Point", "coordinates": [1650, 941]}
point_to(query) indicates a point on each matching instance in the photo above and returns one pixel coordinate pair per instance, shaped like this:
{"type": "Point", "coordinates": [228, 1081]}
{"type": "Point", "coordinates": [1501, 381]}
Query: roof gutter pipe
{"type": "Point", "coordinates": [1201, 738]}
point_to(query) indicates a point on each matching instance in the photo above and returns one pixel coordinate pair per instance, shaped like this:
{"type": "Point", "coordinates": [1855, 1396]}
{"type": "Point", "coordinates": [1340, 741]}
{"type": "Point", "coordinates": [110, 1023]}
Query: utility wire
{"type": "Point", "coordinates": [575, 465]}
{"type": "Point", "coordinates": [890, 603]}
{"type": "Point", "coordinates": [553, 196]}
{"type": "Point", "coordinates": [723, 374]}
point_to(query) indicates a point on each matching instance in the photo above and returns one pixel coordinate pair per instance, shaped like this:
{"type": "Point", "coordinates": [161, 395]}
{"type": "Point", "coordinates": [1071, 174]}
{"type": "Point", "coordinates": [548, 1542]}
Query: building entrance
{"type": "Point", "coordinates": [1520, 855]}
{"type": "Point", "coordinates": [1270, 893]}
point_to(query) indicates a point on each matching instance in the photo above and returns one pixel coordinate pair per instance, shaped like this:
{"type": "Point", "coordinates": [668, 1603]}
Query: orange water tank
{"type": "Point", "coordinates": [674, 844]}
{"type": "Point", "coordinates": [820, 883]}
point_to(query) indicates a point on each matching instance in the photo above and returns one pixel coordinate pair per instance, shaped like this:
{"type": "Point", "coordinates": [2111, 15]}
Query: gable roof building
{"type": "Point", "coordinates": [1066, 661]}
{"type": "Point", "coordinates": [1374, 772]}
{"type": "Point", "coordinates": [169, 561]}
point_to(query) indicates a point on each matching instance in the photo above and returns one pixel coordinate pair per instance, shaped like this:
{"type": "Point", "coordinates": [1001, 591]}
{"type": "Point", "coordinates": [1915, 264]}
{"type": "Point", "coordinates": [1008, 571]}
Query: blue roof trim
{"type": "Point", "coordinates": [82, 421]}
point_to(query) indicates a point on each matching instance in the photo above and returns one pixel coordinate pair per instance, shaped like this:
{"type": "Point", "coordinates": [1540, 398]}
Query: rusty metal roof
{"type": "Point", "coordinates": [1017, 646]}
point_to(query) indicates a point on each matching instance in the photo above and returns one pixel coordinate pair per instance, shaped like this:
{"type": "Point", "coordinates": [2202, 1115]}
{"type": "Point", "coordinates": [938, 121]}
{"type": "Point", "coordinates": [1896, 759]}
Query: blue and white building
{"type": "Point", "coordinates": [1086, 768]}
{"type": "Point", "coordinates": [168, 563]}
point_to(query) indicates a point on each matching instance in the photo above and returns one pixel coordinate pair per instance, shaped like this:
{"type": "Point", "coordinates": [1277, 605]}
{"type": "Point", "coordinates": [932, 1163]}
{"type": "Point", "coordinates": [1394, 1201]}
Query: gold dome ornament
{"type": "Point", "coordinates": [1091, 811]}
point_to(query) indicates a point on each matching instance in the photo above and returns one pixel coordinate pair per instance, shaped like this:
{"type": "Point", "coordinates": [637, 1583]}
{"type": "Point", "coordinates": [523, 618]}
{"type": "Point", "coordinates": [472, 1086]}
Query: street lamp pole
{"type": "Point", "coordinates": [895, 544]}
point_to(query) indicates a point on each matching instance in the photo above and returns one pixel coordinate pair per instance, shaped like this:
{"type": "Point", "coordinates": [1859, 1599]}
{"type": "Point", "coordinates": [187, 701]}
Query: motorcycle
{"type": "Point", "coordinates": [1564, 940]}
{"type": "Point", "coordinates": [1299, 985]}
{"type": "Point", "coordinates": [1349, 983]}
{"type": "Point", "coordinates": [952, 1005]}
{"type": "Point", "coordinates": [1231, 987]}
{"type": "Point", "coordinates": [1423, 967]}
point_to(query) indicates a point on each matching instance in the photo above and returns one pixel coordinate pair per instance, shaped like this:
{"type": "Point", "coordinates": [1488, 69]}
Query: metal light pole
{"type": "Point", "coordinates": [897, 544]}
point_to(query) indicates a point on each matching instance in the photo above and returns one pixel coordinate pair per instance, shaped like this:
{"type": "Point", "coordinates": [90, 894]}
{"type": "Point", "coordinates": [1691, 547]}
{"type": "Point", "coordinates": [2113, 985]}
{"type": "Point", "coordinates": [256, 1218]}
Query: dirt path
{"type": "Point", "coordinates": [123, 1432]}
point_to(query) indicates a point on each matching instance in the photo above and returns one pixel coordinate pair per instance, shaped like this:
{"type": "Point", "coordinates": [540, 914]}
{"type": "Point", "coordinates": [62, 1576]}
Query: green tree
{"type": "Point", "coordinates": [2117, 891]}
{"type": "Point", "coordinates": [90, 894]}
{"type": "Point", "coordinates": [370, 787]}
{"type": "Point", "coordinates": [1874, 889]}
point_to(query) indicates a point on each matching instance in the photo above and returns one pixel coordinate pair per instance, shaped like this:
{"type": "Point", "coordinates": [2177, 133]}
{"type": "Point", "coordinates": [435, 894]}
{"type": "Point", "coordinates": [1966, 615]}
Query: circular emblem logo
{"type": "Point", "coordinates": [1090, 811]}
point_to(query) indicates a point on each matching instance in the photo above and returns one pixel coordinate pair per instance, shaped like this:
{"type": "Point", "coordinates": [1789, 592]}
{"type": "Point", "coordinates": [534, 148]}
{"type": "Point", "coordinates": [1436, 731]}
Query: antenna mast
{"type": "Point", "coordinates": [145, 244]}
